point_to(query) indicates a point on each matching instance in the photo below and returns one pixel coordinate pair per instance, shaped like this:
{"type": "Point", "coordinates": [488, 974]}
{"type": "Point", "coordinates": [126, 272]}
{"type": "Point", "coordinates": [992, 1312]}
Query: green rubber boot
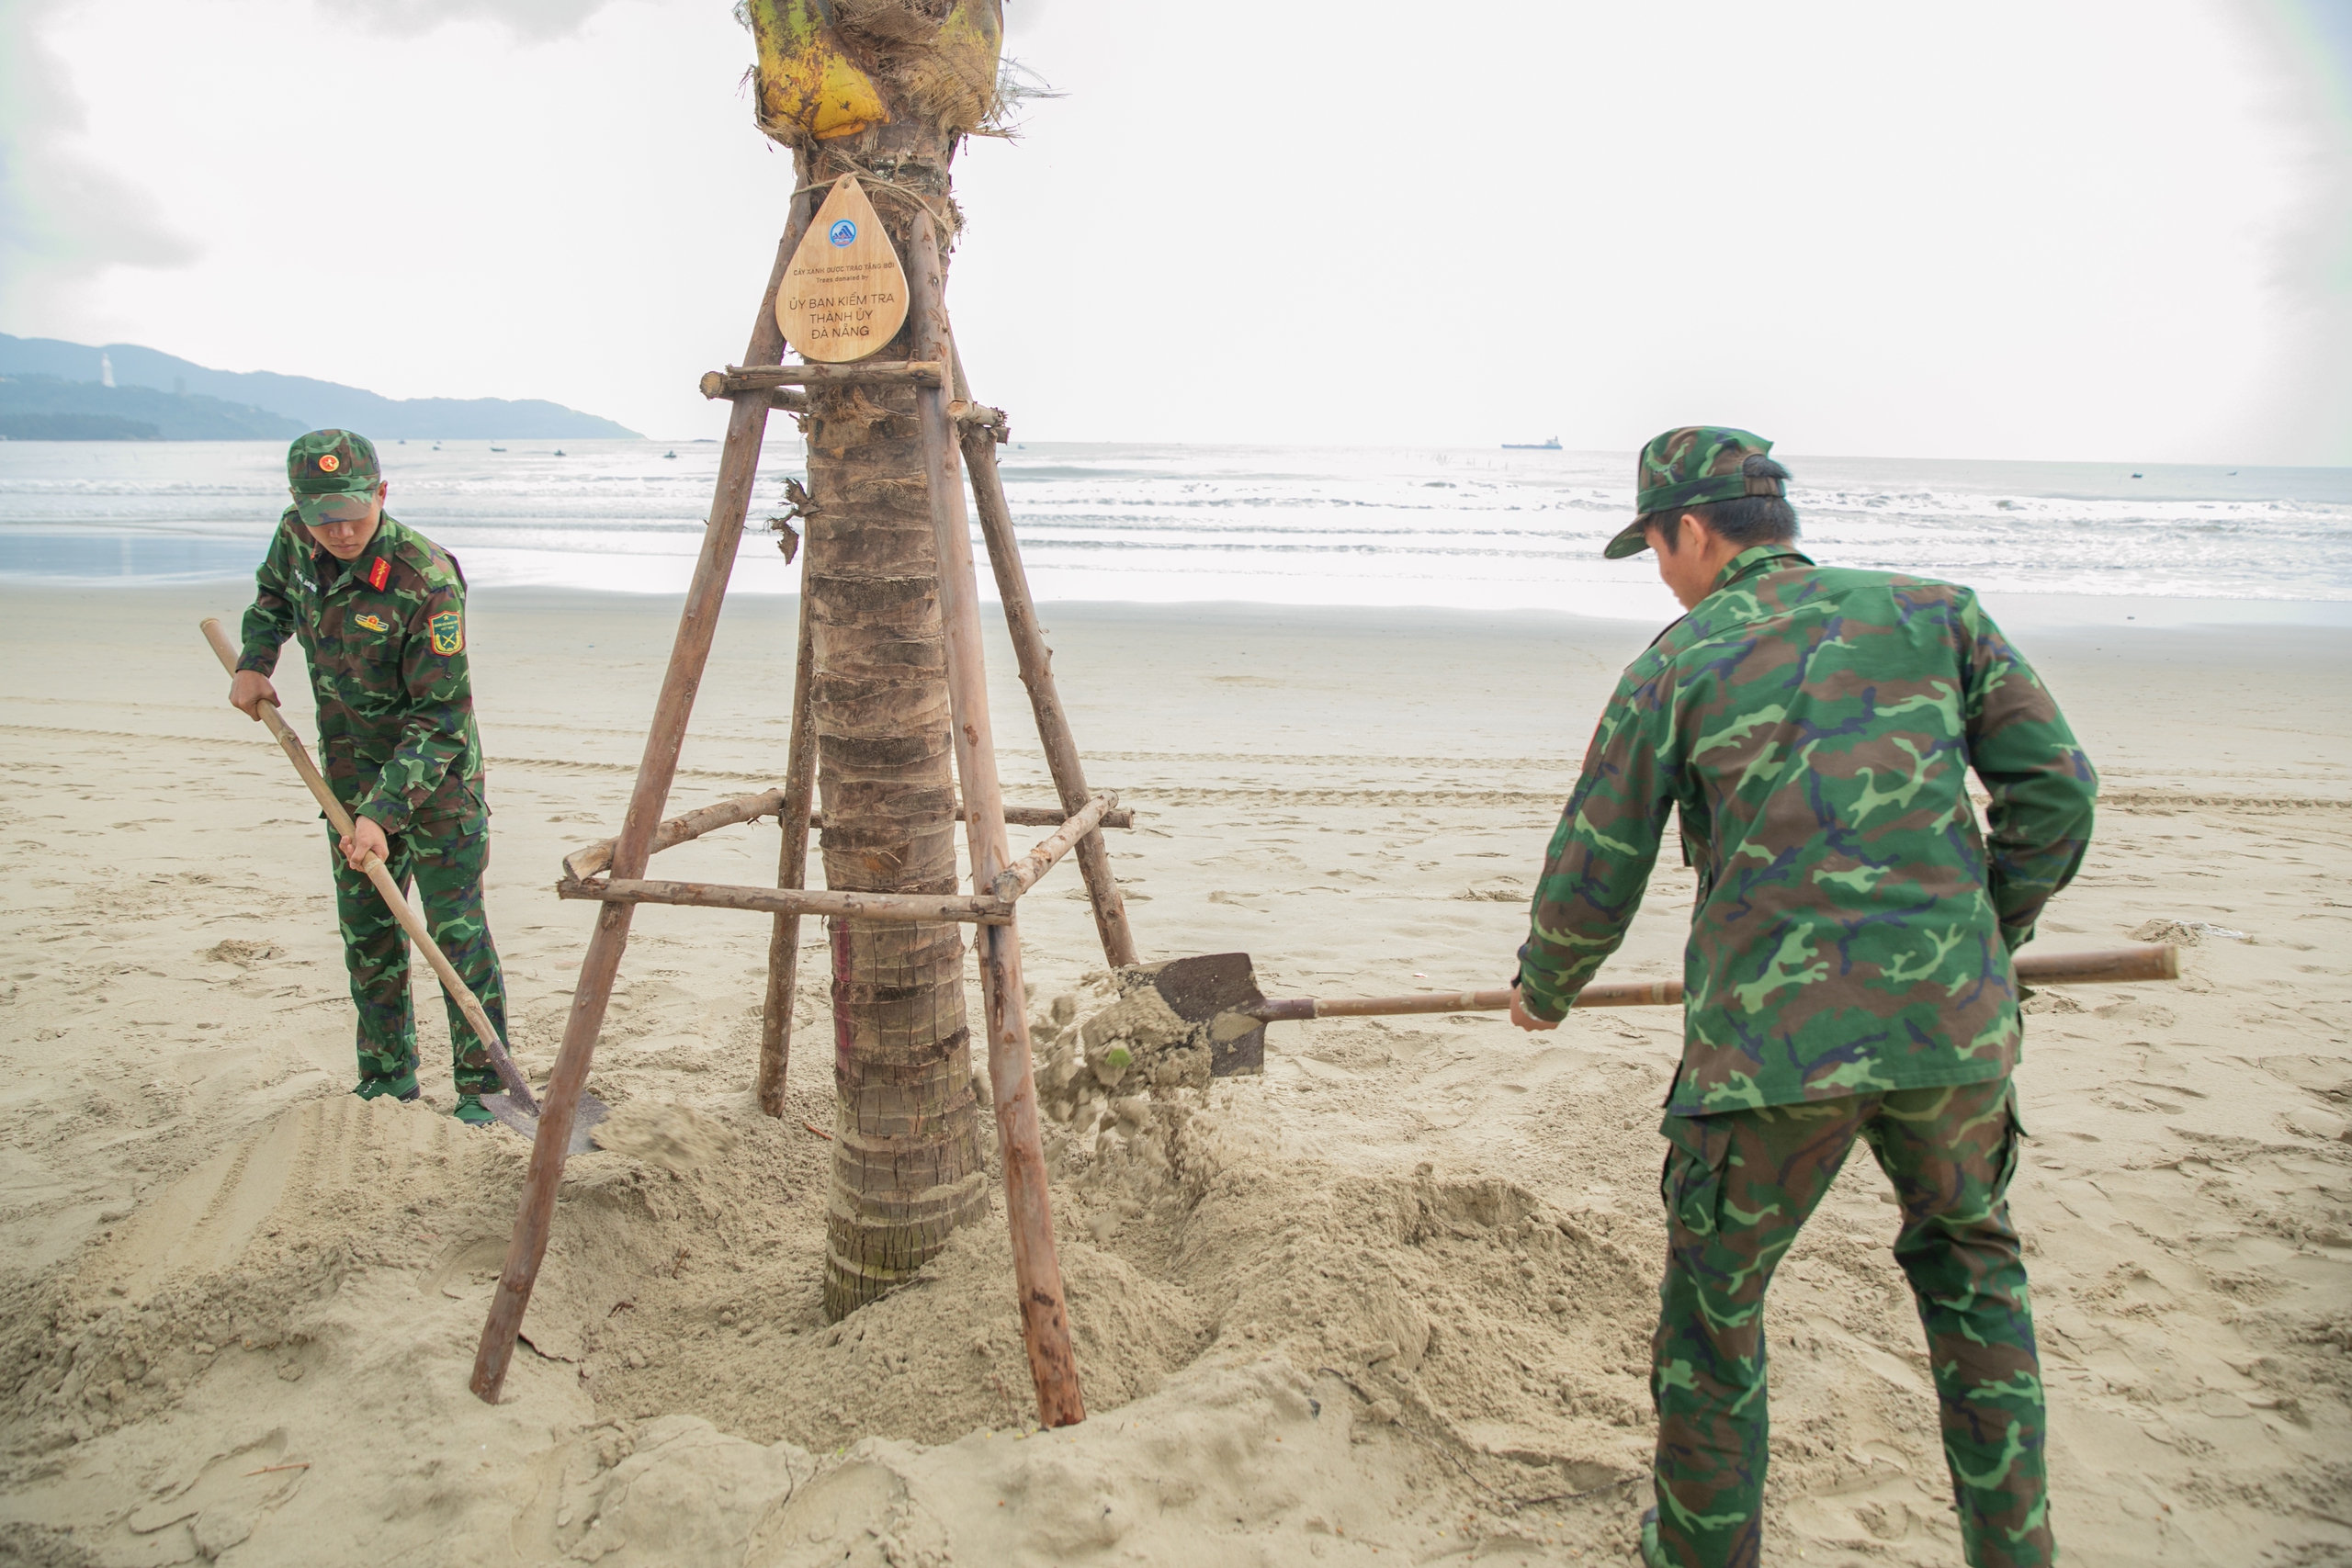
{"type": "Point", "coordinates": [473, 1112]}
{"type": "Point", "coordinates": [1653, 1554]}
{"type": "Point", "coordinates": [400, 1088]}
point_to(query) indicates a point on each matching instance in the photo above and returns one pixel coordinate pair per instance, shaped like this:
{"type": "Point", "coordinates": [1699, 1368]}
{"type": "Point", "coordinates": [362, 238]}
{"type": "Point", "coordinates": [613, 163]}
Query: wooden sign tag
{"type": "Point", "coordinates": [844, 295]}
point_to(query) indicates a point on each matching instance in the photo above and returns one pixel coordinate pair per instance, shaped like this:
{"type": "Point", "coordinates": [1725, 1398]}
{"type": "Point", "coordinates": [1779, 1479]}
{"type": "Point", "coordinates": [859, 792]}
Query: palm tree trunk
{"type": "Point", "coordinates": [884, 89]}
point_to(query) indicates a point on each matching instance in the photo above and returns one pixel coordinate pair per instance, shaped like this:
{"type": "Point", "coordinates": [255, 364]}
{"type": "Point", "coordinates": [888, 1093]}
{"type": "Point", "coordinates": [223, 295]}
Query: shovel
{"type": "Point", "coordinates": [1221, 991]}
{"type": "Point", "coordinates": [518, 1108]}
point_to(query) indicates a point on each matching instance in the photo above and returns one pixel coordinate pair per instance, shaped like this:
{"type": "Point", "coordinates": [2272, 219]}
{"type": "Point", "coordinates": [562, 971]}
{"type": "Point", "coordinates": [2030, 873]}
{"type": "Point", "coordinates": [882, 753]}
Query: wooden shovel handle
{"type": "Point", "coordinates": [1603, 994]}
{"type": "Point", "coordinates": [2149, 961]}
{"type": "Point", "coordinates": [2154, 961]}
{"type": "Point", "coordinates": [518, 1088]}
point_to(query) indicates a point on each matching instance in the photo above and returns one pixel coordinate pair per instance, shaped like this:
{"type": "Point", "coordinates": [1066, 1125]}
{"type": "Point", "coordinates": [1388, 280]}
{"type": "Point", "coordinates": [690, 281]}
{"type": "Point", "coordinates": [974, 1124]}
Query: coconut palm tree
{"type": "Point", "coordinates": [886, 90]}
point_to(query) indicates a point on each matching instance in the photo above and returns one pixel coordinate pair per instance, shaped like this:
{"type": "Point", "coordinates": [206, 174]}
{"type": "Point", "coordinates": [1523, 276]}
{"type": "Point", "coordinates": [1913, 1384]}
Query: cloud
{"type": "Point", "coordinates": [535, 20]}
{"type": "Point", "coordinates": [2310, 410]}
{"type": "Point", "coordinates": [63, 218]}
{"type": "Point", "coordinates": [1024, 17]}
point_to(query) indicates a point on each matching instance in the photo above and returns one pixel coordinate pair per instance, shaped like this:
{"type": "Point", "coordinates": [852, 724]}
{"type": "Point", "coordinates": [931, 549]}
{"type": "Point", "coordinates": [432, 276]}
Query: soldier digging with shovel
{"type": "Point", "coordinates": [380, 612]}
{"type": "Point", "coordinates": [1847, 974]}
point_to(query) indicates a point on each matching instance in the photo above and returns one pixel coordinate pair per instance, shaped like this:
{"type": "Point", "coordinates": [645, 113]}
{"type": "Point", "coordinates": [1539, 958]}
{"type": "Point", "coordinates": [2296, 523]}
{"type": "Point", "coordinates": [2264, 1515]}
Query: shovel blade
{"type": "Point", "coordinates": [1213, 989]}
{"type": "Point", "coordinates": [591, 1111]}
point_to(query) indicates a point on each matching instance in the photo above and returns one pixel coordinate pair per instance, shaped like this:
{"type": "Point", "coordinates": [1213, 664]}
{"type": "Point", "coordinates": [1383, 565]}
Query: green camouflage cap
{"type": "Point", "coordinates": [1691, 466]}
{"type": "Point", "coordinates": [329, 470]}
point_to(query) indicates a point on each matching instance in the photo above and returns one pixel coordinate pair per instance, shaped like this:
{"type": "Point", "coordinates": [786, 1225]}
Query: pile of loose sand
{"type": "Point", "coordinates": [1271, 1333]}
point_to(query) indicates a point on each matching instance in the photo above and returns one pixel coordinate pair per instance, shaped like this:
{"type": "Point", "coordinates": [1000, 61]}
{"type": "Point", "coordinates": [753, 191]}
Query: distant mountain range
{"type": "Point", "coordinates": [52, 391]}
{"type": "Point", "coordinates": [44, 408]}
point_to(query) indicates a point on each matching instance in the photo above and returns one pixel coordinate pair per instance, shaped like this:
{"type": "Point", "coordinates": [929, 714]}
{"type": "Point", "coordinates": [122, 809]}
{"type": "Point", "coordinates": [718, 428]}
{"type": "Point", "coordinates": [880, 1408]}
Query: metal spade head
{"type": "Point", "coordinates": [1216, 989]}
{"type": "Point", "coordinates": [590, 1111]}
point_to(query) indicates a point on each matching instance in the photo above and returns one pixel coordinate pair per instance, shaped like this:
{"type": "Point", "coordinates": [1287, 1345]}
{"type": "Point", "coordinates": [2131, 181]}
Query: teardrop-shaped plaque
{"type": "Point", "coordinates": [844, 295]}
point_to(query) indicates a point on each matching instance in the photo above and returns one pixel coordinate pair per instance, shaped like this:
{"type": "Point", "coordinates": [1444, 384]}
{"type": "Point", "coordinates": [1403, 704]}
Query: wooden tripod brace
{"type": "Point", "coordinates": [949, 422]}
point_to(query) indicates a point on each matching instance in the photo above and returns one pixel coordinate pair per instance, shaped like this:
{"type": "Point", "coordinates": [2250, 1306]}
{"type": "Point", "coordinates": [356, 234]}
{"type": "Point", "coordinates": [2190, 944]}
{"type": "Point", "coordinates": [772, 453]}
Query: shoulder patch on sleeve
{"type": "Point", "coordinates": [448, 633]}
{"type": "Point", "coordinates": [436, 573]}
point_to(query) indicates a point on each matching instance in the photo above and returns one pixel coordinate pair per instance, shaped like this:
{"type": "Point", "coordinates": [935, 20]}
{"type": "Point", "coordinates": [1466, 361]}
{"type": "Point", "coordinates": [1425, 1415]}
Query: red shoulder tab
{"type": "Point", "coordinates": [379, 572]}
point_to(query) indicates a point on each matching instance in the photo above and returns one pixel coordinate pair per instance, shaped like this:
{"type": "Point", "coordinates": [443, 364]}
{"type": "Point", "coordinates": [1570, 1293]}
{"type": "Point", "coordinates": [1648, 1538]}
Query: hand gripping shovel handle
{"type": "Point", "coordinates": [518, 1088]}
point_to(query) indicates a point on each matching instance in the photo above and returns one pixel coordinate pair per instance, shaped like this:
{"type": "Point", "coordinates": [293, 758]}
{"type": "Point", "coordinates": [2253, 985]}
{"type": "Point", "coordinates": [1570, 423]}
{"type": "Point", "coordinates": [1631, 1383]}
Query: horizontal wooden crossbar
{"type": "Point", "coordinates": [589, 859]}
{"type": "Point", "coordinates": [1022, 874]}
{"type": "Point", "coordinates": [979, 416]}
{"type": "Point", "coordinates": [582, 863]}
{"type": "Point", "coordinates": [793, 900]}
{"type": "Point", "coordinates": [995, 908]}
{"type": "Point", "coordinates": [737, 379]}
{"type": "Point", "coordinates": [968, 416]}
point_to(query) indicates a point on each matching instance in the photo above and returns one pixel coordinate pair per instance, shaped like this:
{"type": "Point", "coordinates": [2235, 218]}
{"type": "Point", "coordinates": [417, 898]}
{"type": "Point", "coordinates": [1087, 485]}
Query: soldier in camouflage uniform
{"type": "Point", "coordinates": [1847, 974]}
{"type": "Point", "coordinates": [381, 611]}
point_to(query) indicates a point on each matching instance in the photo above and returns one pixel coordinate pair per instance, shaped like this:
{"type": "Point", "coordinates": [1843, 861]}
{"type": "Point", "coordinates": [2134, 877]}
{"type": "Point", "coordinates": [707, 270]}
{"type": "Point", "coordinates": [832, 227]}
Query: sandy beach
{"type": "Point", "coordinates": [1389, 1303]}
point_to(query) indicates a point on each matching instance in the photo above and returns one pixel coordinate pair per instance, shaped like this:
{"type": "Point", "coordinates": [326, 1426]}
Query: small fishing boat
{"type": "Point", "coordinates": [671, 454]}
{"type": "Point", "coordinates": [498, 448]}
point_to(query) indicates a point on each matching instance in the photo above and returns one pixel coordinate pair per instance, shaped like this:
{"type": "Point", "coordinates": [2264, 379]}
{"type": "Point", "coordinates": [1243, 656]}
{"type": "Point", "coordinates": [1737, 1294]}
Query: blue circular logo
{"type": "Point", "coordinates": [842, 233]}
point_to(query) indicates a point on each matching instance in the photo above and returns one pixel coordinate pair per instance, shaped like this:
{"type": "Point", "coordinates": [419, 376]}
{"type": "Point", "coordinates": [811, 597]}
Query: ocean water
{"type": "Point", "coordinates": [1313, 526]}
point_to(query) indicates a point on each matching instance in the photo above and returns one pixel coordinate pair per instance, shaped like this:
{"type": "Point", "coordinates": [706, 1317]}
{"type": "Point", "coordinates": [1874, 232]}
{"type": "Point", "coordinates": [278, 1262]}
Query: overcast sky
{"type": "Point", "coordinates": [2113, 230]}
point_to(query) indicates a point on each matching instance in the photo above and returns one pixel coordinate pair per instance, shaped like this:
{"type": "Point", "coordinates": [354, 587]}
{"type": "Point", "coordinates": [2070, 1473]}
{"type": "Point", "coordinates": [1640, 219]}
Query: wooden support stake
{"type": "Point", "coordinates": [738, 467]}
{"type": "Point", "coordinates": [1044, 1313]}
{"type": "Point", "coordinates": [832, 902]}
{"type": "Point", "coordinates": [1036, 664]}
{"type": "Point", "coordinates": [791, 871]}
{"type": "Point", "coordinates": [1023, 873]}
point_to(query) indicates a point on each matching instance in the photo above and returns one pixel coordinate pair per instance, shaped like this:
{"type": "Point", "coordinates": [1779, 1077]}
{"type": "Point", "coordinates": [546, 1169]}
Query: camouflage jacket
{"type": "Point", "coordinates": [386, 640]}
{"type": "Point", "coordinates": [1814, 730]}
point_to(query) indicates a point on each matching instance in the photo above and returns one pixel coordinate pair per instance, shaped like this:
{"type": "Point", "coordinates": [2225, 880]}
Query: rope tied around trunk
{"type": "Point", "coordinates": [950, 220]}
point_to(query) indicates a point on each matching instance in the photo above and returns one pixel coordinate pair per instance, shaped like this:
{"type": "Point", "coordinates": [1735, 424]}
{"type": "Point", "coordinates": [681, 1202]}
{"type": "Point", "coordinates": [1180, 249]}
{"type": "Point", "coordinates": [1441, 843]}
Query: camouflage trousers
{"type": "Point", "coordinates": [444, 858]}
{"type": "Point", "coordinates": [1738, 1186]}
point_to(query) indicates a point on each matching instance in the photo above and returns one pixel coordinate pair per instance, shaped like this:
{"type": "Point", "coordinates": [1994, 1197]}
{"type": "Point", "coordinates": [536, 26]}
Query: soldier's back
{"type": "Point", "coordinates": [1843, 939]}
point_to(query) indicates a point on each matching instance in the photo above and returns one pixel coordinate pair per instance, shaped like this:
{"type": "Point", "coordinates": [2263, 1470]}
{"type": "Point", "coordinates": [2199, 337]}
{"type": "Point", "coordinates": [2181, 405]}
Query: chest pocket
{"type": "Point", "coordinates": [373, 635]}
{"type": "Point", "coordinates": [360, 653]}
